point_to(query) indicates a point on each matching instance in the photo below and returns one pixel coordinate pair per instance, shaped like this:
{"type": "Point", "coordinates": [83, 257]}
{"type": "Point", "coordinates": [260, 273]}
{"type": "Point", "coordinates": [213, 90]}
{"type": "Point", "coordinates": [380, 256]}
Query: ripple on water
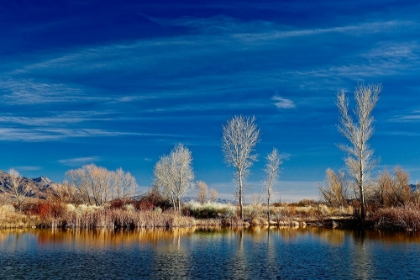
{"type": "Point", "coordinates": [195, 254]}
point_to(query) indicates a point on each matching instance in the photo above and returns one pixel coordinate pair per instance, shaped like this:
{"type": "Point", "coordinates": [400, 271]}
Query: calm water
{"type": "Point", "coordinates": [213, 254]}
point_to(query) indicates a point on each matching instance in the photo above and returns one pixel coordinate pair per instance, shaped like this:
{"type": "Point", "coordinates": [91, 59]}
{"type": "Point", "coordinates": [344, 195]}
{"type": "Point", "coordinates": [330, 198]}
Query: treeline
{"type": "Point", "coordinates": [95, 196]}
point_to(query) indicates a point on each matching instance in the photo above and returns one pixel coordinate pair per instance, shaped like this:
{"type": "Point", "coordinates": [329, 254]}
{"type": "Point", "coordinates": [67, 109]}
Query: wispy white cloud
{"type": "Point", "coordinates": [354, 30]}
{"type": "Point", "coordinates": [186, 55]}
{"type": "Point", "coordinates": [268, 30]}
{"type": "Point", "coordinates": [413, 116]}
{"type": "Point", "coordinates": [21, 91]}
{"type": "Point", "coordinates": [215, 25]}
{"type": "Point", "coordinates": [79, 161]}
{"type": "Point", "coordinates": [17, 134]}
{"type": "Point", "coordinates": [283, 103]}
{"type": "Point", "coordinates": [53, 134]}
{"type": "Point", "coordinates": [56, 119]}
{"type": "Point", "coordinates": [28, 168]}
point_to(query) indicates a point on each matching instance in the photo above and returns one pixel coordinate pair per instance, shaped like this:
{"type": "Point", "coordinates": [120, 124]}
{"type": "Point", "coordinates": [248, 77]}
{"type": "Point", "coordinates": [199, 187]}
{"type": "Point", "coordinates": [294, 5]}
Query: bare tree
{"type": "Point", "coordinates": [63, 193]}
{"type": "Point", "coordinates": [359, 159]}
{"type": "Point", "coordinates": [163, 178]}
{"type": "Point", "coordinates": [96, 185]}
{"type": "Point", "coordinates": [272, 170]}
{"type": "Point", "coordinates": [240, 135]}
{"type": "Point", "coordinates": [213, 195]}
{"type": "Point", "coordinates": [125, 185]}
{"type": "Point", "coordinates": [16, 189]}
{"type": "Point", "coordinates": [335, 192]}
{"type": "Point", "coordinates": [394, 190]}
{"type": "Point", "coordinates": [202, 192]}
{"type": "Point", "coordinates": [93, 183]}
{"type": "Point", "coordinates": [174, 174]}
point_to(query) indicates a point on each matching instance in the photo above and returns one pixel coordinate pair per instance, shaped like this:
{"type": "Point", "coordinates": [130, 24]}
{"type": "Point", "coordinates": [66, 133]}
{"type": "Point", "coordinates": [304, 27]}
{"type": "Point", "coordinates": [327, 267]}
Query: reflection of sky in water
{"type": "Point", "coordinates": [189, 253]}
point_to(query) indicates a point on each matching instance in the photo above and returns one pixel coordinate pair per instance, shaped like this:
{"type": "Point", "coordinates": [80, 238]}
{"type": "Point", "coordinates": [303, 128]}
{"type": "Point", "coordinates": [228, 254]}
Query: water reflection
{"type": "Point", "coordinates": [105, 238]}
{"type": "Point", "coordinates": [242, 253]}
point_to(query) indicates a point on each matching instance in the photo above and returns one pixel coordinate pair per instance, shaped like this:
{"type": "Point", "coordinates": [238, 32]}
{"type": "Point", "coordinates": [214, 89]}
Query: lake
{"type": "Point", "coordinates": [254, 253]}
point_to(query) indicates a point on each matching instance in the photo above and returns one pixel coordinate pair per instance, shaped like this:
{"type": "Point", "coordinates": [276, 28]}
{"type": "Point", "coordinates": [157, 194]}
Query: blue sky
{"type": "Point", "coordinates": [119, 84]}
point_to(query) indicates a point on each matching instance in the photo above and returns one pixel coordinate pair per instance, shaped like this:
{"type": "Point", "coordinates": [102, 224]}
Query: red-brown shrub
{"type": "Point", "coordinates": [46, 209]}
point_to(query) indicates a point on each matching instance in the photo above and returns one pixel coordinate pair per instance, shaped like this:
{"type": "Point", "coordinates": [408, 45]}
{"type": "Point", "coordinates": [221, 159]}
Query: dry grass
{"type": "Point", "coordinates": [407, 218]}
{"type": "Point", "coordinates": [84, 216]}
{"type": "Point", "coordinates": [9, 218]}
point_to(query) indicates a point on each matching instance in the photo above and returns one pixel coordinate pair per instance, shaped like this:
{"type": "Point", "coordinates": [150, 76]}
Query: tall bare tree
{"type": "Point", "coordinates": [202, 192]}
{"type": "Point", "coordinates": [359, 159]}
{"type": "Point", "coordinates": [16, 189]}
{"type": "Point", "coordinates": [240, 135]}
{"type": "Point", "coordinates": [174, 174]}
{"type": "Point", "coordinates": [272, 170]}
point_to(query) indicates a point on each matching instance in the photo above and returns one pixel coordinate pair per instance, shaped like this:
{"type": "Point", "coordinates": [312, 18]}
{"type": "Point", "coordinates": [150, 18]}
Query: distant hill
{"type": "Point", "coordinates": [39, 187]}
{"type": "Point", "coordinates": [219, 200]}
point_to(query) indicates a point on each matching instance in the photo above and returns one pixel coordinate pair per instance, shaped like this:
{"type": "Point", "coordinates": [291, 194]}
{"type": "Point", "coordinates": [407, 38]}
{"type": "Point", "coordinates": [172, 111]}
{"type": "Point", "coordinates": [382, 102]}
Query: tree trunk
{"type": "Point", "coordinates": [362, 206]}
{"type": "Point", "coordinates": [361, 188]}
{"type": "Point", "coordinates": [268, 211]}
{"type": "Point", "coordinates": [241, 210]}
{"type": "Point", "coordinates": [173, 202]}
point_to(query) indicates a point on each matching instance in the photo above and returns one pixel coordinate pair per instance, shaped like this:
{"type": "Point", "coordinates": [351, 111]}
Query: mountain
{"type": "Point", "coordinates": [38, 187]}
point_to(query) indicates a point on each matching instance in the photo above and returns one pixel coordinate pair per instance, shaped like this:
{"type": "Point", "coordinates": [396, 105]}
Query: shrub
{"type": "Point", "coordinates": [399, 217]}
{"type": "Point", "coordinates": [209, 210]}
{"type": "Point", "coordinates": [151, 200]}
{"type": "Point", "coordinates": [307, 202]}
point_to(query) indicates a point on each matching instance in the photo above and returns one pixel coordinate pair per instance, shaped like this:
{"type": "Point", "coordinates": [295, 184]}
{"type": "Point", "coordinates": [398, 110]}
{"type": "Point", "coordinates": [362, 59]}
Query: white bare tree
{"type": "Point", "coordinates": [125, 185]}
{"type": "Point", "coordinates": [272, 170]}
{"type": "Point", "coordinates": [163, 178]}
{"type": "Point", "coordinates": [240, 135]}
{"type": "Point", "coordinates": [15, 189]}
{"type": "Point", "coordinates": [174, 174]}
{"type": "Point", "coordinates": [359, 159]}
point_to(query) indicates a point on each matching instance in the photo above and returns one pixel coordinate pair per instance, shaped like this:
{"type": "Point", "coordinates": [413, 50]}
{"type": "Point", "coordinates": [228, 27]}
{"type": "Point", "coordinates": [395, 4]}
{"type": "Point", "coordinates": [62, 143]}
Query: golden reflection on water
{"type": "Point", "coordinates": [215, 253]}
{"type": "Point", "coordinates": [172, 239]}
{"type": "Point", "coordinates": [98, 238]}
